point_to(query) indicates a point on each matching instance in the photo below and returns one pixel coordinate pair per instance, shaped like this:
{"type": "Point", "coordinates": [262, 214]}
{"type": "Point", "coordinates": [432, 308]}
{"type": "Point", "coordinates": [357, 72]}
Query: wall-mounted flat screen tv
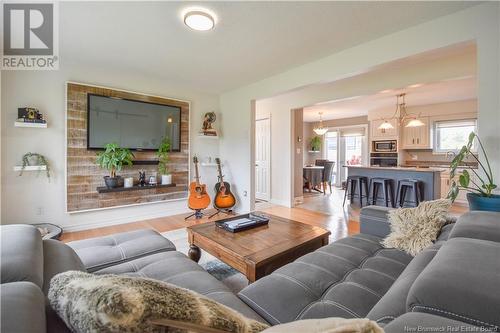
{"type": "Point", "coordinates": [132, 124]}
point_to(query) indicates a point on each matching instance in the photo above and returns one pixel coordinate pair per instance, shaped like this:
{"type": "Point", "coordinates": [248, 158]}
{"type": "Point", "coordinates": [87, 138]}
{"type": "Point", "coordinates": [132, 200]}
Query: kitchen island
{"type": "Point", "coordinates": [429, 177]}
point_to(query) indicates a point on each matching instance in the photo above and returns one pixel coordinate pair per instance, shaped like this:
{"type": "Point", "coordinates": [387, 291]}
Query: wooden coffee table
{"type": "Point", "coordinates": [259, 251]}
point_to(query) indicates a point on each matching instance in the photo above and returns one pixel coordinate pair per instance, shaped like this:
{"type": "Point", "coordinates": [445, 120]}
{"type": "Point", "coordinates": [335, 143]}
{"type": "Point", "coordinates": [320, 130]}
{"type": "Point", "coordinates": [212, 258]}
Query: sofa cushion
{"type": "Point", "coordinates": [175, 268]}
{"type": "Point", "coordinates": [343, 279]}
{"type": "Point", "coordinates": [102, 252]}
{"type": "Point", "coordinates": [57, 258]}
{"type": "Point", "coordinates": [393, 303]}
{"type": "Point", "coordinates": [22, 254]}
{"type": "Point", "coordinates": [445, 232]}
{"type": "Point", "coordinates": [373, 220]}
{"type": "Point", "coordinates": [461, 283]}
{"type": "Point", "coordinates": [478, 225]}
{"type": "Point", "coordinates": [22, 308]}
{"type": "Point", "coordinates": [424, 322]}
{"type": "Point", "coordinates": [112, 303]}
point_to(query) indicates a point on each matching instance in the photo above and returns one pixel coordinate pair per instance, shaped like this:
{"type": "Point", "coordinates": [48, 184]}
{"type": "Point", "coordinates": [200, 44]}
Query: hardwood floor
{"type": "Point", "coordinates": [321, 210]}
{"type": "Point", "coordinates": [339, 229]}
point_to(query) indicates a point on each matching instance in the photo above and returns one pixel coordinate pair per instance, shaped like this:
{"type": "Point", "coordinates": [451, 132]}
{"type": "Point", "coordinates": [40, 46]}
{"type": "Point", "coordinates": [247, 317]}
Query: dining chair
{"type": "Point", "coordinates": [320, 162]}
{"type": "Point", "coordinates": [328, 175]}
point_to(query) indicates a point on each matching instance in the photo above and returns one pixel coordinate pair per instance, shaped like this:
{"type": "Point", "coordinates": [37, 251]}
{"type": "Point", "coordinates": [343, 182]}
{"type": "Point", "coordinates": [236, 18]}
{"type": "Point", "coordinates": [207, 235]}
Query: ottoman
{"type": "Point", "coordinates": [102, 252]}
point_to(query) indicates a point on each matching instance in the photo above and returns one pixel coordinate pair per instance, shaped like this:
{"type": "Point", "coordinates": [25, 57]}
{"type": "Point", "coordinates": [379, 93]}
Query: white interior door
{"type": "Point", "coordinates": [262, 159]}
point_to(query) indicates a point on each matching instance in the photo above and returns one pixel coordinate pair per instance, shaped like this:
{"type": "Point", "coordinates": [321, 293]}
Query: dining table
{"type": "Point", "coordinates": [313, 175]}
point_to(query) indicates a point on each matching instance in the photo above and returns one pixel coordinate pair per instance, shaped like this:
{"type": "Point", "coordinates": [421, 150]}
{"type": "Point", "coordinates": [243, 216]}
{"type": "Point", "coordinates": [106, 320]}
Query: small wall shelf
{"type": "Point", "coordinates": [33, 125]}
{"type": "Point", "coordinates": [206, 164]}
{"type": "Point", "coordinates": [314, 151]}
{"type": "Point", "coordinates": [31, 168]}
{"type": "Point", "coordinates": [208, 136]}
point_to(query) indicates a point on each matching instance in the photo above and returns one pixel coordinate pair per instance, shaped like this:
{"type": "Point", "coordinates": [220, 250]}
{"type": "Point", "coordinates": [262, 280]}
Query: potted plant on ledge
{"type": "Point", "coordinates": [316, 144]}
{"type": "Point", "coordinates": [162, 153]}
{"type": "Point", "coordinates": [113, 158]}
{"type": "Point", "coordinates": [480, 189]}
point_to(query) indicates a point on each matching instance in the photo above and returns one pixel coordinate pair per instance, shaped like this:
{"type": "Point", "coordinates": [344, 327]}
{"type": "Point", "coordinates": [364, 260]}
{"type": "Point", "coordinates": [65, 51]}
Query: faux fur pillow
{"type": "Point", "coordinates": [414, 229]}
{"type": "Point", "coordinates": [111, 303]}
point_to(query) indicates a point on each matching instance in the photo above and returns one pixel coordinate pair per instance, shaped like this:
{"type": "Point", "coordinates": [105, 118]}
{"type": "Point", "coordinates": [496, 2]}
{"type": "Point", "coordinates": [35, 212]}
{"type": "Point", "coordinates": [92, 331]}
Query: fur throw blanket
{"type": "Point", "coordinates": [414, 229]}
{"type": "Point", "coordinates": [112, 303]}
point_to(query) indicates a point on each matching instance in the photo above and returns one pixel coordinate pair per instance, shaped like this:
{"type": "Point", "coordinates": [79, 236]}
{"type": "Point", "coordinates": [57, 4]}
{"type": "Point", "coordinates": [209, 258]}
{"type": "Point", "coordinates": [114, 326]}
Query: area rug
{"type": "Point", "coordinates": [233, 279]}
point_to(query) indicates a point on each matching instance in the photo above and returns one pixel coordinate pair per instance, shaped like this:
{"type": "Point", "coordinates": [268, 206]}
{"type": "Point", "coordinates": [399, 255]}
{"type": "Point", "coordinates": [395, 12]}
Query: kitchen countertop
{"type": "Point", "coordinates": [398, 168]}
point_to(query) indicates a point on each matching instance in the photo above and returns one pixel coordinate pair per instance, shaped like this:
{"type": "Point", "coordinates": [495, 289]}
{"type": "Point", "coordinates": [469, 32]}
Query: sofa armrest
{"type": "Point", "coordinates": [374, 221]}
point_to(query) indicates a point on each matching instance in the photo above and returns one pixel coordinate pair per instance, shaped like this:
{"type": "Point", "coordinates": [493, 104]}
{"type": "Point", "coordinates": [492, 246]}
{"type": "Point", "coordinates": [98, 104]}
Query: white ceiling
{"type": "Point", "coordinates": [251, 41]}
{"type": "Point", "coordinates": [429, 93]}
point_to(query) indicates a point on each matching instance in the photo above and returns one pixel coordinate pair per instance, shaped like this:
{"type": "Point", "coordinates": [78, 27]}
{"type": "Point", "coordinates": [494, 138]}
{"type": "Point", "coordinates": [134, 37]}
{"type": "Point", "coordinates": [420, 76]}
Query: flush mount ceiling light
{"type": "Point", "coordinates": [199, 19]}
{"type": "Point", "coordinates": [402, 115]}
{"type": "Point", "coordinates": [320, 130]}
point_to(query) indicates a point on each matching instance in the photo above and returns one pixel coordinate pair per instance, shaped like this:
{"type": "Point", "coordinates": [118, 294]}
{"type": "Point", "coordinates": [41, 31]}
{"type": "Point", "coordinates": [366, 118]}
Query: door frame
{"type": "Point", "coordinates": [268, 177]}
{"type": "Point", "coordinates": [341, 149]}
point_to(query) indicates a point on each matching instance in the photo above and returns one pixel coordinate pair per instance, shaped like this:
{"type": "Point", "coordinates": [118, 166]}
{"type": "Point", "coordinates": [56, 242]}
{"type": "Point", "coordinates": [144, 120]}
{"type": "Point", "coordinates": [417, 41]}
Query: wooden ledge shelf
{"type": "Point", "coordinates": [104, 189]}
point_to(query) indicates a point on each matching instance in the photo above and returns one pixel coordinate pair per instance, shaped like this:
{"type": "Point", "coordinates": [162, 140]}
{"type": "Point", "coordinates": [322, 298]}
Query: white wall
{"type": "Point", "coordinates": [479, 23]}
{"type": "Point", "coordinates": [22, 196]}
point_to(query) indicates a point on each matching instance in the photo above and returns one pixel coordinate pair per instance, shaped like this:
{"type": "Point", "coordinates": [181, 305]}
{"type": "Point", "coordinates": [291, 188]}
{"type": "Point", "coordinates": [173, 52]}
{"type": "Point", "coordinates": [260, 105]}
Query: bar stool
{"type": "Point", "coordinates": [387, 190]}
{"type": "Point", "coordinates": [415, 186]}
{"type": "Point", "coordinates": [352, 182]}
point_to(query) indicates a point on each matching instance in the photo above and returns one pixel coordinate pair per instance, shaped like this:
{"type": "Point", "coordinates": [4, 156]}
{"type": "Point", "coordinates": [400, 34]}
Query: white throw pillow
{"type": "Point", "coordinates": [414, 229]}
{"type": "Point", "coordinates": [328, 325]}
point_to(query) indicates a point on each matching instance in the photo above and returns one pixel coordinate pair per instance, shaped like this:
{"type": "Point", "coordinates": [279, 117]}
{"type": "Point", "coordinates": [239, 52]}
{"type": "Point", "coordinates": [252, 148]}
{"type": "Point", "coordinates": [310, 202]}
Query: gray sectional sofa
{"type": "Point", "coordinates": [453, 283]}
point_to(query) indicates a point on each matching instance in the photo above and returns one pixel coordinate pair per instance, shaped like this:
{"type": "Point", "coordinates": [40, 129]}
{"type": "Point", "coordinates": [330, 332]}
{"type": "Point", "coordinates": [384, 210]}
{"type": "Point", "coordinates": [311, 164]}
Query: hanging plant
{"type": "Point", "coordinates": [35, 159]}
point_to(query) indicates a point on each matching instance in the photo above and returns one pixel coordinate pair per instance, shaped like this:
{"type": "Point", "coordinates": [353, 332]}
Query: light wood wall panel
{"type": "Point", "coordinates": [84, 176]}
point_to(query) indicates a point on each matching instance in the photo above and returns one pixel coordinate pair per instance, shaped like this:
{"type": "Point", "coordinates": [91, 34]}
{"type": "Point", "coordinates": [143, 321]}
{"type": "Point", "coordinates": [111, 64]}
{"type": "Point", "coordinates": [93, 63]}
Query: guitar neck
{"type": "Point", "coordinates": [219, 169]}
{"type": "Point", "coordinates": [197, 175]}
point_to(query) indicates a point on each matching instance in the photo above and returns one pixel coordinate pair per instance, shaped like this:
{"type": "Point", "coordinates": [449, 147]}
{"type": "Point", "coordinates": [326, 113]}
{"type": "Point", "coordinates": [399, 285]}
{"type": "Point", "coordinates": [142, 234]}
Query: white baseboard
{"type": "Point", "coordinates": [129, 219]}
{"type": "Point", "coordinates": [281, 202]}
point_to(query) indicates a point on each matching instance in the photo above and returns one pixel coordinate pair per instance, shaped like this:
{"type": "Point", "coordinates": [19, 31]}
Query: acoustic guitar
{"type": "Point", "coordinates": [198, 196]}
{"type": "Point", "coordinates": [224, 199]}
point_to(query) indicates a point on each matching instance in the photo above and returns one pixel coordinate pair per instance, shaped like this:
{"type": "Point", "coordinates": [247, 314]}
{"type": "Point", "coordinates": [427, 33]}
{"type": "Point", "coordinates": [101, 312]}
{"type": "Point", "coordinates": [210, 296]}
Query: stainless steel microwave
{"type": "Point", "coordinates": [385, 146]}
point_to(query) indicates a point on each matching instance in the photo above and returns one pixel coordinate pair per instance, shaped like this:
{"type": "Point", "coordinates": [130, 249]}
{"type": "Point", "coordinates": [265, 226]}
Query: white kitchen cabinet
{"type": "Point", "coordinates": [446, 185]}
{"type": "Point", "coordinates": [417, 137]}
{"type": "Point", "coordinates": [377, 134]}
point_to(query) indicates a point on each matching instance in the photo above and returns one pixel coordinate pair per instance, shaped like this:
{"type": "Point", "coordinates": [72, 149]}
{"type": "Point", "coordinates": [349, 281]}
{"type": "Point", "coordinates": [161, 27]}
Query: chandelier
{"type": "Point", "coordinates": [320, 130]}
{"type": "Point", "coordinates": [402, 115]}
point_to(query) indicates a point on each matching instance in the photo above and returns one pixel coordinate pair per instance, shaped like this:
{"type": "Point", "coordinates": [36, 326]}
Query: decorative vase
{"type": "Point", "coordinates": [128, 182]}
{"type": "Point", "coordinates": [166, 179]}
{"type": "Point", "coordinates": [477, 202]}
{"type": "Point", "coordinates": [112, 182]}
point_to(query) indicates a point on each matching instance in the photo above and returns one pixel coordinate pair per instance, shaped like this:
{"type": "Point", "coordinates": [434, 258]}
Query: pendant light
{"type": "Point", "coordinates": [385, 126]}
{"type": "Point", "coordinates": [415, 123]}
{"type": "Point", "coordinates": [320, 130]}
{"type": "Point", "coordinates": [402, 115]}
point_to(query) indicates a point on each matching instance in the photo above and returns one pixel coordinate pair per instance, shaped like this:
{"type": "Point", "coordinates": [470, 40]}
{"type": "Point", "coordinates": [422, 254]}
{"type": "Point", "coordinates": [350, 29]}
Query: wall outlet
{"type": "Point", "coordinates": [39, 211]}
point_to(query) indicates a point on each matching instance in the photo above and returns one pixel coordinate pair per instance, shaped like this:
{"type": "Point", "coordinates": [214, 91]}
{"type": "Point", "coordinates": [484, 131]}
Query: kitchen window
{"type": "Point", "coordinates": [451, 135]}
